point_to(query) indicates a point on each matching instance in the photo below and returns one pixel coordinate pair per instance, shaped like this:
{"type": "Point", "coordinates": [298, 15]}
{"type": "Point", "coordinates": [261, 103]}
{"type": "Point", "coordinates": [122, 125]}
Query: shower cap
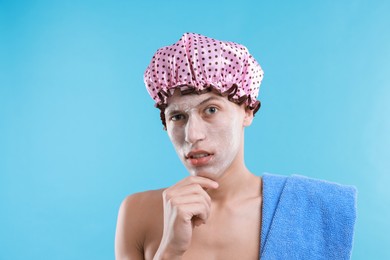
{"type": "Point", "coordinates": [199, 64]}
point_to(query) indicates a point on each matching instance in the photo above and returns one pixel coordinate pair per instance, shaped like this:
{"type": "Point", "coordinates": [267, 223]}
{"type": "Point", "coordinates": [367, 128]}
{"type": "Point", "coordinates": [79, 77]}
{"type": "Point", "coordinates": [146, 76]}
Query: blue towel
{"type": "Point", "coordinates": [304, 218]}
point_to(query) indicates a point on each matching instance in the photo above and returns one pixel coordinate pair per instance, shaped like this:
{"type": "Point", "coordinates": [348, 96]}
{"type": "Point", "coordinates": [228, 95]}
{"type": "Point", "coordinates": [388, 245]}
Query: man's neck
{"type": "Point", "coordinates": [238, 183]}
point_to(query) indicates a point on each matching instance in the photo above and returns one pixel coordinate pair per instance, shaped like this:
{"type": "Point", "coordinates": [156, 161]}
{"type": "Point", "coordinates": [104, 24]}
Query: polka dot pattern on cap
{"type": "Point", "coordinates": [197, 63]}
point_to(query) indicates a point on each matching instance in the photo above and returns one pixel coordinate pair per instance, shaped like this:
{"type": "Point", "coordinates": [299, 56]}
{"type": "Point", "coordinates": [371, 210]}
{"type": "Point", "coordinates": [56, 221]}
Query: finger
{"type": "Point", "coordinates": [202, 181]}
{"type": "Point", "coordinates": [189, 199]}
{"type": "Point", "coordinates": [188, 211]}
{"type": "Point", "coordinates": [193, 189]}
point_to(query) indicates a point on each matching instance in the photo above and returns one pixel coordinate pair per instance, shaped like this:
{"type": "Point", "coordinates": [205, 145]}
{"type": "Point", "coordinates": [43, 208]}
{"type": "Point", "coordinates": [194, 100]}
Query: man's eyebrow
{"type": "Point", "coordinates": [207, 100]}
{"type": "Point", "coordinates": [176, 110]}
{"type": "Point", "coordinates": [172, 112]}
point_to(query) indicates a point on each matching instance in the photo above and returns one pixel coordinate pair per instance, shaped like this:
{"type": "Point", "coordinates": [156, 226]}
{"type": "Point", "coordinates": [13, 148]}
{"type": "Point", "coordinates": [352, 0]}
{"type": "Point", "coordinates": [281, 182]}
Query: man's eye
{"type": "Point", "coordinates": [211, 110]}
{"type": "Point", "coordinates": [177, 117]}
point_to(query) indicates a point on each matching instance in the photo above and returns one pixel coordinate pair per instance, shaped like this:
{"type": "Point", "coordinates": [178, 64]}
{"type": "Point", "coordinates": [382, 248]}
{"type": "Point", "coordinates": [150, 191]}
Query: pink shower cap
{"type": "Point", "coordinates": [198, 64]}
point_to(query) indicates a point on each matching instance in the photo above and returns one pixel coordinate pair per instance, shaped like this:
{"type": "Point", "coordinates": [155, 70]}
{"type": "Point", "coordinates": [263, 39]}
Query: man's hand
{"type": "Point", "coordinates": [186, 205]}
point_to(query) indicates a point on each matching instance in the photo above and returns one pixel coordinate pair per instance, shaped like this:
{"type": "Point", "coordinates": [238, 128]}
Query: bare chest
{"type": "Point", "coordinates": [230, 233]}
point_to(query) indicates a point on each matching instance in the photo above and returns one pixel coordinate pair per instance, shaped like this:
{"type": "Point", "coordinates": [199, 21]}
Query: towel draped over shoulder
{"type": "Point", "coordinates": [304, 218]}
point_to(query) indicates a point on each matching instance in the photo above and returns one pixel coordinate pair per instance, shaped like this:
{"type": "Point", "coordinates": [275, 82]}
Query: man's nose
{"type": "Point", "coordinates": [194, 130]}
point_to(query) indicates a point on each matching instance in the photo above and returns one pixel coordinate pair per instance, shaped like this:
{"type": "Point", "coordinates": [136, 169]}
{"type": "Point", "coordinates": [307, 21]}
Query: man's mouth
{"type": "Point", "coordinates": [196, 156]}
{"type": "Point", "coordinates": [199, 158]}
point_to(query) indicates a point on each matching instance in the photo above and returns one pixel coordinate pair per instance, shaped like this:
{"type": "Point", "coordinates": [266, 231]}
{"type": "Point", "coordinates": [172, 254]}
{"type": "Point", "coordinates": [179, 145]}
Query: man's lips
{"type": "Point", "coordinates": [199, 157]}
{"type": "Point", "coordinates": [196, 154]}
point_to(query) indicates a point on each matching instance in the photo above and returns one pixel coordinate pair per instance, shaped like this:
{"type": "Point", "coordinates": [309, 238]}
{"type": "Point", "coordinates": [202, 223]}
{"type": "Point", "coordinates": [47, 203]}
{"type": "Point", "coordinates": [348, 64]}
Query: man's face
{"type": "Point", "coordinates": [207, 132]}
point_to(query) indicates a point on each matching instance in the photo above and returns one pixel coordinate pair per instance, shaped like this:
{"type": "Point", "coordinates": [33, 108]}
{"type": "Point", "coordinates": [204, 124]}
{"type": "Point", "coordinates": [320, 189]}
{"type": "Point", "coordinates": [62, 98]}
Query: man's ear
{"type": "Point", "coordinates": [248, 117]}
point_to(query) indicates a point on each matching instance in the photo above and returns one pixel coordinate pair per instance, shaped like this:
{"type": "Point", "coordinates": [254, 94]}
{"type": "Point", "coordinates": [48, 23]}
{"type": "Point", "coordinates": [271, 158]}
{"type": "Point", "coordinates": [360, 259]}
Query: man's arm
{"type": "Point", "coordinates": [129, 232]}
{"type": "Point", "coordinates": [186, 205]}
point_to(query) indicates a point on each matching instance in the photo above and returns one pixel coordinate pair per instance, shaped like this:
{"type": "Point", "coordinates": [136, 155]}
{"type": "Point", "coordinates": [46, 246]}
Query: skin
{"type": "Point", "coordinates": [215, 213]}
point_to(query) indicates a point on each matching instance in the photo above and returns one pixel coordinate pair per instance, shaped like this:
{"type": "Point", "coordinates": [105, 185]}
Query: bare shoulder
{"type": "Point", "coordinates": [137, 213]}
{"type": "Point", "coordinates": [142, 201]}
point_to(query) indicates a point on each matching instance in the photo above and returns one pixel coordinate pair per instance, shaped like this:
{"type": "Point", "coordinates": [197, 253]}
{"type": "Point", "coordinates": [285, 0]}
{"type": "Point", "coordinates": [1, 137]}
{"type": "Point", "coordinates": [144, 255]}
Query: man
{"type": "Point", "coordinates": [206, 90]}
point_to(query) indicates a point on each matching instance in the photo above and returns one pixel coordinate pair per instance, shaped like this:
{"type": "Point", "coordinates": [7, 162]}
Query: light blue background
{"type": "Point", "coordinates": [78, 131]}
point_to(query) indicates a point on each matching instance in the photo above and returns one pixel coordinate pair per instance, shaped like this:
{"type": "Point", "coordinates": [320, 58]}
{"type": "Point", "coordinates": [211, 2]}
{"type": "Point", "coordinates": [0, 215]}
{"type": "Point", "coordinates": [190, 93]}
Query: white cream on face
{"type": "Point", "coordinates": [209, 123]}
